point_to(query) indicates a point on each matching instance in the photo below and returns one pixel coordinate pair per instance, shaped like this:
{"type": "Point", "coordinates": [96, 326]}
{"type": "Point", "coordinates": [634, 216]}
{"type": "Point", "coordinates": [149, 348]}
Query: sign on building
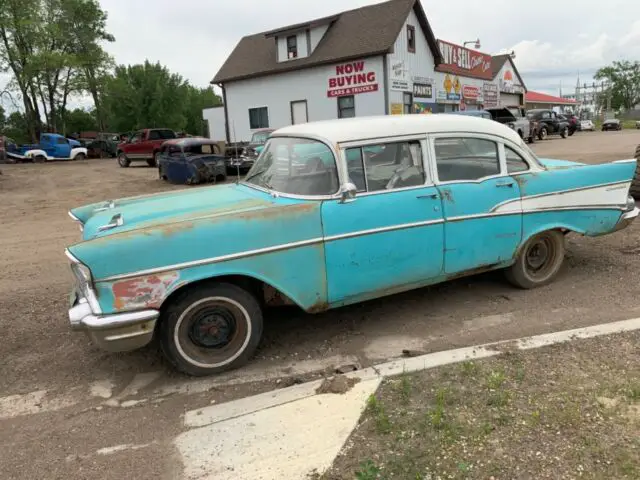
{"type": "Point", "coordinates": [463, 61]}
{"type": "Point", "coordinates": [490, 95]}
{"type": "Point", "coordinates": [351, 79]}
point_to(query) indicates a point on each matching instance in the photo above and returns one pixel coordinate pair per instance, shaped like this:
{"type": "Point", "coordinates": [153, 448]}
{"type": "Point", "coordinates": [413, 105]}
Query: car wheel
{"type": "Point", "coordinates": [634, 191]}
{"type": "Point", "coordinates": [79, 157]}
{"type": "Point", "coordinates": [210, 329]}
{"type": "Point", "coordinates": [123, 161]}
{"type": "Point", "coordinates": [543, 133]}
{"type": "Point", "coordinates": [154, 161]}
{"type": "Point", "coordinates": [539, 260]}
{"type": "Point", "coordinates": [564, 132]}
{"type": "Point", "coordinates": [39, 159]}
{"type": "Point", "coordinates": [532, 139]}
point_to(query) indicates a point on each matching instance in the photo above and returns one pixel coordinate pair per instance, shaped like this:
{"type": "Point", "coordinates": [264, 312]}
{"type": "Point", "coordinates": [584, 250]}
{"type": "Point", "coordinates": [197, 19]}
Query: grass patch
{"type": "Point", "coordinates": [565, 411]}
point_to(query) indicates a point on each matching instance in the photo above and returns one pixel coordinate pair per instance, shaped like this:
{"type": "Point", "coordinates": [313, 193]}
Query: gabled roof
{"type": "Point", "coordinates": [498, 61]}
{"type": "Point", "coordinates": [537, 97]}
{"type": "Point", "coordinates": [363, 32]}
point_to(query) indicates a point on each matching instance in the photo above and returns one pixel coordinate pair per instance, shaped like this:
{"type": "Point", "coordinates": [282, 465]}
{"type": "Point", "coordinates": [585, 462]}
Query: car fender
{"type": "Point", "coordinates": [35, 152]}
{"type": "Point", "coordinates": [77, 150]}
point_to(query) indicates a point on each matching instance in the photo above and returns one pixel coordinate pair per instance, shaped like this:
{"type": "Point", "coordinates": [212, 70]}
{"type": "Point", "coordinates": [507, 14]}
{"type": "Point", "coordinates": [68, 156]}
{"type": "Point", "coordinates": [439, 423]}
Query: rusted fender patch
{"type": "Point", "coordinates": [143, 292]}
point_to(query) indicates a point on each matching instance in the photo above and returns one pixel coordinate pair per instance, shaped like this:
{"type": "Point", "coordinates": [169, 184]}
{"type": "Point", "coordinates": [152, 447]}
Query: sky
{"type": "Point", "coordinates": [554, 40]}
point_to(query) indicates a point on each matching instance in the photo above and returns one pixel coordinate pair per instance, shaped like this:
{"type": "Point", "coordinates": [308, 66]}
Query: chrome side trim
{"type": "Point", "coordinates": [212, 260]}
{"type": "Point", "coordinates": [342, 236]}
{"type": "Point", "coordinates": [73, 217]}
{"type": "Point", "coordinates": [391, 228]}
{"type": "Point", "coordinates": [557, 192]}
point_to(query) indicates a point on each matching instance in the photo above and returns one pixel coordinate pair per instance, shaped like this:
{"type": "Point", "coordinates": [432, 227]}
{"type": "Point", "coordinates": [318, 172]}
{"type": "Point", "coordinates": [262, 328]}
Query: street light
{"type": "Point", "coordinates": [475, 42]}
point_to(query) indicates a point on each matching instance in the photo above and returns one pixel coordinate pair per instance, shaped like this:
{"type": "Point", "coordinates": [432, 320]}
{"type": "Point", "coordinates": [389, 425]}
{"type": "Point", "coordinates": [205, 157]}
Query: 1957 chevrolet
{"type": "Point", "coordinates": [332, 213]}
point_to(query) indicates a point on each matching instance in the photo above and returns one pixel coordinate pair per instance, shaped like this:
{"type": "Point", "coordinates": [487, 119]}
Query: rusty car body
{"type": "Point", "coordinates": [191, 160]}
{"type": "Point", "coordinates": [332, 213]}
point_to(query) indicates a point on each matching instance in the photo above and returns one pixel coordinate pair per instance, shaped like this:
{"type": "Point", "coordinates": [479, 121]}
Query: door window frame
{"type": "Point", "coordinates": [426, 162]}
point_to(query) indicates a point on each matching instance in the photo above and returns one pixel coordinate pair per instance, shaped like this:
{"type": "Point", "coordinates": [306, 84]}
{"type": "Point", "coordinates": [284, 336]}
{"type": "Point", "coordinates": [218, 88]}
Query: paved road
{"type": "Point", "coordinates": [70, 411]}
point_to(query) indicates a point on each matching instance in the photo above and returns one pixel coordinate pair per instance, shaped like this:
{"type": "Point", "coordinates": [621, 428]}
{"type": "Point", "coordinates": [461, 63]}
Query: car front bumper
{"type": "Point", "coordinates": [117, 332]}
{"type": "Point", "coordinates": [627, 218]}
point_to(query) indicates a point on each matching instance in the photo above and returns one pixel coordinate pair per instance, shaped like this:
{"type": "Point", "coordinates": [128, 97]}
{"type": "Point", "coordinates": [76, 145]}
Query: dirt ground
{"type": "Point", "coordinates": [562, 412]}
{"type": "Point", "coordinates": [53, 383]}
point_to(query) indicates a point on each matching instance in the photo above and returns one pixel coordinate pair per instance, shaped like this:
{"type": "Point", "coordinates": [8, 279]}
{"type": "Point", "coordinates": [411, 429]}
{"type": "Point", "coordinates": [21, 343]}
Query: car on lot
{"type": "Point", "coordinates": [516, 120]}
{"type": "Point", "coordinates": [8, 146]}
{"type": "Point", "coordinates": [143, 145]}
{"type": "Point", "coordinates": [333, 213]}
{"type": "Point", "coordinates": [548, 123]}
{"type": "Point", "coordinates": [572, 120]}
{"type": "Point", "coordinates": [191, 160]}
{"type": "Point", "coordinates": [52, 146]}
{"type": "Point", "coordinates": [104, 145]}
{"type": "Point", "coordinates": [587, 125]}
{"type": "Point", "coordinates": [611, 124]}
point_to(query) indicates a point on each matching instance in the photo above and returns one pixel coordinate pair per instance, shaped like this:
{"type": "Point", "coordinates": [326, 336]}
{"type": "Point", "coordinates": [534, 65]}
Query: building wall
{"type": "Point", "coordinates": [405, 68]}
{"type": "Point", "coordinates": [510, 86]}
{"type": "Point", "coordinates": [215, 120]}
{"type": "Point", "coordinates": [277, 91]}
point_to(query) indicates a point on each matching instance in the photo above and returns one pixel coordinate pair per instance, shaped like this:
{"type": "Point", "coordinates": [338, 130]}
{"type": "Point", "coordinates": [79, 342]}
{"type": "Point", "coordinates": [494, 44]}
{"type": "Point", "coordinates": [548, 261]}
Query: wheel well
{"type": "Point", "coordinates": [262, 291]}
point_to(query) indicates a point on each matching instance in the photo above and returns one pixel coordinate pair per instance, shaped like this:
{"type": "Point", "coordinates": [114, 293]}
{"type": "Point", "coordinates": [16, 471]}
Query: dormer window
{"type": "Point", "coordinates": [292, 47]}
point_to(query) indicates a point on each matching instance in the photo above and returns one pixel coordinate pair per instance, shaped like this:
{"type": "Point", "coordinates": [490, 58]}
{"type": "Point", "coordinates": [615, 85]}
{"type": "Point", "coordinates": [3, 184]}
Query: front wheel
{"type": "Point", "coordinates": [123, 161]}
{"type": "Point", "coordinates": [539, 260]}
{"type": "Point", "coordinates": [79, 157]}
{"type": "Point", "coordinates": [564, 132]}
{"type": "Point", "coordinates": [210, 329]}
{"type": "Point", "coordinates": [542, 135]}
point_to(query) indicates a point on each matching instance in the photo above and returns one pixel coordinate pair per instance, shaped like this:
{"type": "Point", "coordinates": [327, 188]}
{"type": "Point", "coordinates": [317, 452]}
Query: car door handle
{"type": "Point", "coordinates": [504, 184]}
{"type": "Point", "coordinates": [434, 196]}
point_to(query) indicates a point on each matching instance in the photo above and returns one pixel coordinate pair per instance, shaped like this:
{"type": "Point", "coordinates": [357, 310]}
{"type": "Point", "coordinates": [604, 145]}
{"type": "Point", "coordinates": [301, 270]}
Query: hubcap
{"type": "Point", "coordinates": [540, 258]}
{"type": "Point", "coordinates": [213, 328]}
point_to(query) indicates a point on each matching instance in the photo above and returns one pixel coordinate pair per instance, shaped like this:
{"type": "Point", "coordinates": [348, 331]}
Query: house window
{"type": "Point", "coordinates": [407, 100]}
{"type": "Point", "coordinates": [258, 118]}
{"type": "Point", "coordinates": [411, 38]}
{"type": "Point", "coordinates": [292, 47]}
{"type": "Point", "coordinates": [346, 107]}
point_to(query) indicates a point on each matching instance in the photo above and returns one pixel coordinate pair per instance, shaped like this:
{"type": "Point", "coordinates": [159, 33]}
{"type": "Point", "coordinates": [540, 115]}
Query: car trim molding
{"type": "Point", "coordinates": [342, 236]}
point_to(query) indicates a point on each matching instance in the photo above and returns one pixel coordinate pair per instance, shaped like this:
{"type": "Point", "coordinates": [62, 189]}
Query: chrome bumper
{"type": "Point", "coordinates": [626, 219]}
{"type": "Point", "coordinates": [117, 332]}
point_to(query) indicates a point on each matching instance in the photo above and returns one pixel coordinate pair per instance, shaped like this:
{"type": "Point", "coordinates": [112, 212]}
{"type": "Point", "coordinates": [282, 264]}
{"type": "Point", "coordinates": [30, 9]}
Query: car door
{"type": "Point", "coordinates": [473, 182]}
{"type": "Point", "coordinates": [134, 145]}
{"type": "Point", "coordinates": [63, 149]}
{"type": "Point", "coordinates": [390, 237]}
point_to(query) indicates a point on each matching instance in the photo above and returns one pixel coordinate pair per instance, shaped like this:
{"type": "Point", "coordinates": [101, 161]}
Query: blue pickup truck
{"type": "Point", "coordinates": [51, 147]}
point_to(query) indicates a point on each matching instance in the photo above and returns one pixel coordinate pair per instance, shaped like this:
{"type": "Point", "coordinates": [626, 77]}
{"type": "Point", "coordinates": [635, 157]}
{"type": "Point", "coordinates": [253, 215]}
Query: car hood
{"type": "Point", "coordinates": [164, 209]}
{"type": "Point", "coordinates": [556, 163]}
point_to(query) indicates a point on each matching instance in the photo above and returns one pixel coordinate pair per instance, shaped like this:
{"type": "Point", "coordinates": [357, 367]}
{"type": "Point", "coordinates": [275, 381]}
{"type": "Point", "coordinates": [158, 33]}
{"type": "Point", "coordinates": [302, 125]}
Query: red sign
{"type": "Point", "coordinates": [350, 79]}
{"type": "Point", "coordinates": [470, 92]}
{"type": "Point", "coordinates": [463, 61]}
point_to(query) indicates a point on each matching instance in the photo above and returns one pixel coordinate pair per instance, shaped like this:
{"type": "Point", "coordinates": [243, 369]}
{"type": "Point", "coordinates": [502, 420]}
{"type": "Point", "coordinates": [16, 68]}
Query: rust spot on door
{"type": "Point", "coordinates": [447, 195]}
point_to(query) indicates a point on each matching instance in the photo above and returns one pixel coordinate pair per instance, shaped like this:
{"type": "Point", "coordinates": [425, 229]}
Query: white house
{"type": "Point", "coordinates": [379, 59]}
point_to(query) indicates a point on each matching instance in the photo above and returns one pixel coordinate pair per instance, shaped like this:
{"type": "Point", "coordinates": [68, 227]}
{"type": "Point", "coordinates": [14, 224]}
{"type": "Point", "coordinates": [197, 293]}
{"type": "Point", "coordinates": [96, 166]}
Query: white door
{"type": "Point", "coordinates": [299, 112]}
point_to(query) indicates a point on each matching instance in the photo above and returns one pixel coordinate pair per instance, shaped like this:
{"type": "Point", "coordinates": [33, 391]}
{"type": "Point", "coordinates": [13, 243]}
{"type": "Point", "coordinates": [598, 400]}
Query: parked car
{"type": "Point", "coordinates": [51, 147]}
{"type": "Point", "coordinates": [572, 120]}
{"type": "Point", "coordinates": [242, 156]}
{"type": "Point", "coordinates": [104, 145]}
{"type": "Point", "coordinates": [474, 113]}
{"type": "Point", "coordinates": [637, 124]}
{"type": "Point", "coordinates": [332, 213]}
{"type": "Point", "coordinates": [515, 119]}
{"type": "Point", "coordinates": [7, 147]}
{"type": "Point", "coordinates": [611, 124]}
{"type": "Point", "coordinates": [548, 123]}
{"type": "Point", "coordinates": [587, 125]}
{"type": "Point", "coordinates": [143, 145]}
{"type": "Point", "coordinates": [191, 160]}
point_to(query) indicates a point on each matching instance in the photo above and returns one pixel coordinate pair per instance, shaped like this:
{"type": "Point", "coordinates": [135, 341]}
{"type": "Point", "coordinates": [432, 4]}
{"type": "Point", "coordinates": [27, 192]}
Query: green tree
{"type": "Point", "coordinates": [624, 78]}
{"type": "Point", "coordinates": [79, 120]}
{"type": "Point", "coordinates": [198, 99]}
{"type": "Point", "coordinates": [17, 128]}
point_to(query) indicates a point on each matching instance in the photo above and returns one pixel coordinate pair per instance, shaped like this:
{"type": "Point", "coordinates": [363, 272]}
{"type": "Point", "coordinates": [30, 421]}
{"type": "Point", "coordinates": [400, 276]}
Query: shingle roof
{"type": "Point", "coordinates": [358, 33]}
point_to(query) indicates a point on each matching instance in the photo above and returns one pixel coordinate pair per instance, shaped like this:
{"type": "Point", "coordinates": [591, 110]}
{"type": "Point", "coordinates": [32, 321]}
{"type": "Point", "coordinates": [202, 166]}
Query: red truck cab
{"type": "Point", "coordinates": [143, 145]}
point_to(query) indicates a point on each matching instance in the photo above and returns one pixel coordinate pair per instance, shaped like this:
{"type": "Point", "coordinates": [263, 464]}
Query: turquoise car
{"type": "Point", "coordinates": [332, 213]}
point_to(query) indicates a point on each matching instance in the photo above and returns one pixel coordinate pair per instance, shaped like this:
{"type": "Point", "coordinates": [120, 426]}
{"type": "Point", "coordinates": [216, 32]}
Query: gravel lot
{"type": "Point", "coordinates": [40, 354]}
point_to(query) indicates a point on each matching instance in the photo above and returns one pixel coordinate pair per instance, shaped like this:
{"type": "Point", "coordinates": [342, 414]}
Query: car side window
{"type": "Point", "coordinates": [466, 159]}
{"type": "Point", "coordinates": [136, 138]}
{"type": "Point", "coordinates": [386, 166]}
{"type": "Point", "coordinates": [154, 135]}
{"type": "Point", "coordinates": [515, 163]}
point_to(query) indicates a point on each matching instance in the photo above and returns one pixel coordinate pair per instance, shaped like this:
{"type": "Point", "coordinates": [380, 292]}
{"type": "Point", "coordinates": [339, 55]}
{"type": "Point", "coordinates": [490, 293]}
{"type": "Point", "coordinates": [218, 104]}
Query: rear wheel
{"type": "Point", "coordinates": [635, 183]}
{"type": "Point", "coordinates": [39, 159]}
{"type": "Point", "coordinates": [542, 135]}
{"type": "Point", "coordinates": [123, 161]}
{"type": "Point", "coordinates": [153, 162]}
{"type": "Point", "coordinates": [539, 260]}
{"type": "Point", "coordinates": [210, 329]}
{"type": "Point", "coordinates": [564, 132]}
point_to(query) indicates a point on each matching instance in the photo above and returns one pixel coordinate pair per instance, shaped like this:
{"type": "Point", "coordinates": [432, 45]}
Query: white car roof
{"type": "Point", "coordinates": [357, 128]}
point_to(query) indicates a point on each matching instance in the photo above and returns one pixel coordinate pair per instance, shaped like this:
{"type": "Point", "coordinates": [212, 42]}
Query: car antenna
{"type": "Point", "coordinates": [233, 132]}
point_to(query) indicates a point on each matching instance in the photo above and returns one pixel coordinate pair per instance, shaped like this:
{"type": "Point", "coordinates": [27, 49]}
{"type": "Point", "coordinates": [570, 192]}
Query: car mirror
{"type": "Point", "coordinates": [348, 192]}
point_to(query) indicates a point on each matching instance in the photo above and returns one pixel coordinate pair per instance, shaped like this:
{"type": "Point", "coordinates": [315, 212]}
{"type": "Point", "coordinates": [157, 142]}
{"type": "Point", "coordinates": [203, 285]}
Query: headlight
{"type": "Point", "coordinates": [631, 204]}
{"type": "Point", "coordinates": [511, 125]}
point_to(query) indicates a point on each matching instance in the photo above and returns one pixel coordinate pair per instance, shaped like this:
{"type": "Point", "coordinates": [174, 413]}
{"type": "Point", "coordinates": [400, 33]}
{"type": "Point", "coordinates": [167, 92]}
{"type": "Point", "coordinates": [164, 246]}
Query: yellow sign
{"type": "Point", "coordinates": [397, 109]}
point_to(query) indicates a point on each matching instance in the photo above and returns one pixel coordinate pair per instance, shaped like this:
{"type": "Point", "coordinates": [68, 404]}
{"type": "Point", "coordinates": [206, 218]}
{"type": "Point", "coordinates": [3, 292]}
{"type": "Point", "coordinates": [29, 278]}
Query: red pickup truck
{"type": "Point", "coordinates": [143, 145]}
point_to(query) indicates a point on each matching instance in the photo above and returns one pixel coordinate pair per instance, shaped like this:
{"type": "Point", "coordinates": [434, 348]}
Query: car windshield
{"type": "Point", "coordinates": [297, 166]}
